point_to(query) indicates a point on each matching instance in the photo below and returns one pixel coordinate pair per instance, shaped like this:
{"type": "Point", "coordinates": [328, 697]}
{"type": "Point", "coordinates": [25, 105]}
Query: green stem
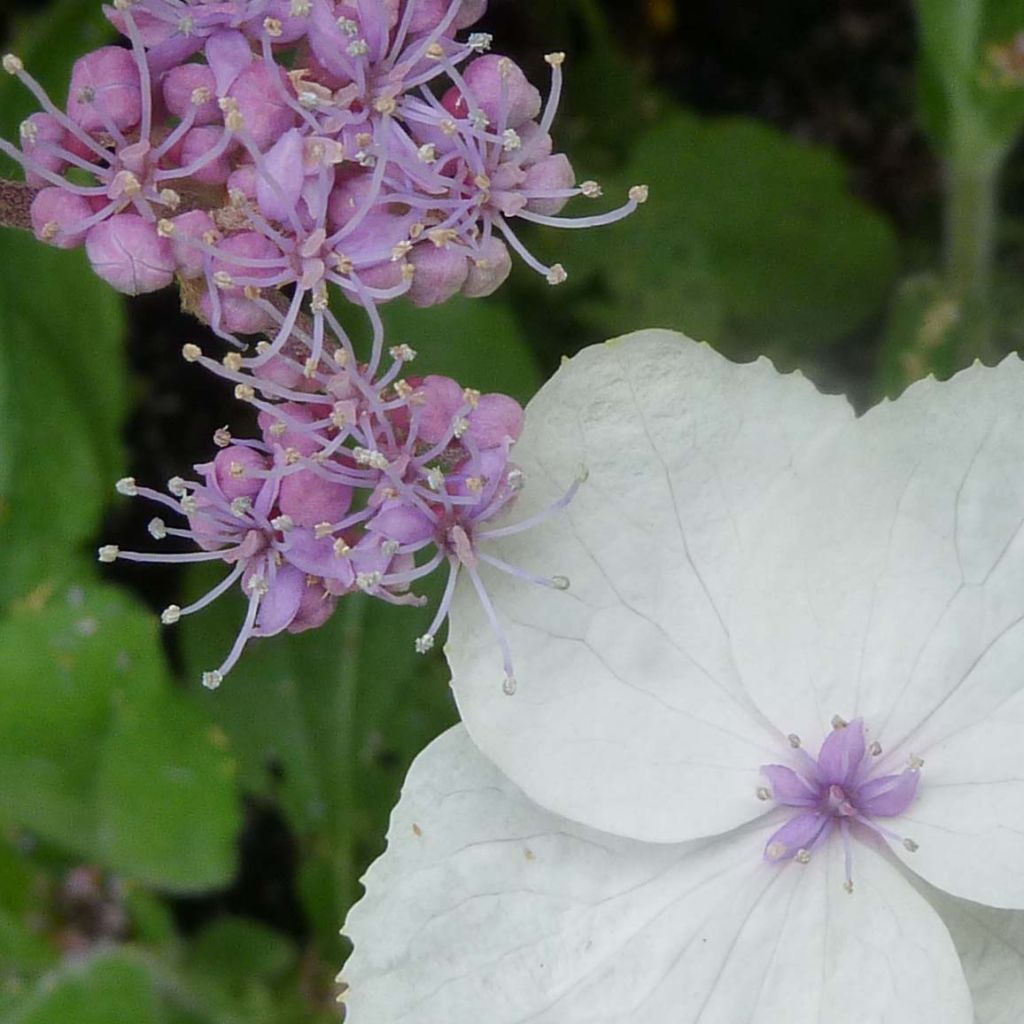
{"type": "Point", "coordinates": [343, 747]}
{"type": "Point", "coordinates": [971, 209]}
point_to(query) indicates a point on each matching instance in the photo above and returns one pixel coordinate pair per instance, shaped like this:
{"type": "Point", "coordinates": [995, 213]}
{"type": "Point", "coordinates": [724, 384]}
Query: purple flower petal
{"type": "Point", "coordinates": [799, 833]}
{"type": "Point", "coordinates": [789, 788]}
{"type": "Point", "coordinates": [281, 602]}
{"type": "Point", "coordinates": [889, 795]}
{"type": "Point", "coordinates": [842, 753]}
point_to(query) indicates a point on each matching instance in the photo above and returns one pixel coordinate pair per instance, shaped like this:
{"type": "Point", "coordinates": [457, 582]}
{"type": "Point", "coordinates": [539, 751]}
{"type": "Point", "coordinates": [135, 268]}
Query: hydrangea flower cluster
{"type": "Point", "coordinates": [362, 480]}
{"type": "Point", "coordinates": [259, 152]}
{"type": "Point", "coordinates": [259, 145]}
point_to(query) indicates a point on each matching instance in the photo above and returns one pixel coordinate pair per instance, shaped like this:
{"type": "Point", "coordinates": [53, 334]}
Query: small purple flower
{"type": "Point", "coordinates": [842, 791]}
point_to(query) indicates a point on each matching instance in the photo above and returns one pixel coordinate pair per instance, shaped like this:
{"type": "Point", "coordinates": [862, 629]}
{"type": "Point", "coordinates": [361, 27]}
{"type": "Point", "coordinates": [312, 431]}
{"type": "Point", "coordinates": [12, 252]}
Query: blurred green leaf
{"type": "Point", "coordinates": [110, 989]}
{"type": "Point", "coordinates": [49, 43]}
{"type": "Point", "coordinates": [327, 723]}
{"type": "Point", "coordinates": [749, 239]}
{"type": "Point", "coordinates": [235, 951]}
{"type": "Point", "coordinates": [477, 341]}
{"type": "Point", "coordinates": [99, 755]}
{"type": "Point", "coordinates": [23, 952]}
{"type": "Point", "coordinates": [65, 384]}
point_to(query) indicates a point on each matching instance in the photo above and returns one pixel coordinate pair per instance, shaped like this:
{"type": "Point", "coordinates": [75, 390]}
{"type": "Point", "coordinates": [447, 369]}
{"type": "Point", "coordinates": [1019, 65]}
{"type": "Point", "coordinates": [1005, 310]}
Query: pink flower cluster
{"type": "Point", "coordinates": [359, 473]}
{"type": "Point", "coordinates": [260, 152]}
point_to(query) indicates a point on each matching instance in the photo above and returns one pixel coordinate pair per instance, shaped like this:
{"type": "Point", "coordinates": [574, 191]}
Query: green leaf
{"type": "Point", "coordinates": [110, 989]}
{"type": "Point", "coordinates": [234, 952]}
{"type": "Point", "coordinates": [327, 723]}
{"type": "Point", "coordinates": [479, 342]}
{"type": "Point", "coordinates": [23, 952]}
{"type": "Point", "coordinates": [749, 239]}
{"type": "Point", "coordinates": [62, 405]}
{"type": "Point", "coordinates": [99, 754]}
{"type": "Point", "coordinates": [165, 796]}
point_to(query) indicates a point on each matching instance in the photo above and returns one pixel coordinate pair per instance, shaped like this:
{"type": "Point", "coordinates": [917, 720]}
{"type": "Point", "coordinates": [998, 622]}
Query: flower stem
{"type": "Point", "coordinates": [15, 202]}
{"type": "Point", "coordinates": [971, 209]}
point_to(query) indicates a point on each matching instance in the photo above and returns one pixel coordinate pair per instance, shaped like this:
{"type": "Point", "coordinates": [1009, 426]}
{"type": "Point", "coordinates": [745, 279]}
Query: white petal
{"type": "Point", "coordinates": [968, 819]}
{"type": "Point", "coordinates": [895, 591]}
{"type": "Point", "coordinates": [486, 908]}
{"type": "Point", "coordinates": [991, 947]}
{"type": "Point", "coordinates": [629, 716]}
{"type": "Point", "coordinates": [898, 568]}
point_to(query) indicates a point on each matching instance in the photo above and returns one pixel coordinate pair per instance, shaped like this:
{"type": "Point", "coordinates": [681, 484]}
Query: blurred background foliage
{"type": "Point", "coordinates": [836, 186]}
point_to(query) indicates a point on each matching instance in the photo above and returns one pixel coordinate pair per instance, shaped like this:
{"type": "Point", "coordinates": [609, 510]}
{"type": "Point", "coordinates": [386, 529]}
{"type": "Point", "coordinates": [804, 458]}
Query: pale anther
{"type": "Point", "coordinates": [211, 680]}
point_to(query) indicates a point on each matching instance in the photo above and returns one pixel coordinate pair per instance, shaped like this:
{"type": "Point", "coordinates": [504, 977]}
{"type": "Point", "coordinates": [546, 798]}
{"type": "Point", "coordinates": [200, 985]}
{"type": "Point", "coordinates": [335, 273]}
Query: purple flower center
{"type": "Point", "coordinates": [842, 790]}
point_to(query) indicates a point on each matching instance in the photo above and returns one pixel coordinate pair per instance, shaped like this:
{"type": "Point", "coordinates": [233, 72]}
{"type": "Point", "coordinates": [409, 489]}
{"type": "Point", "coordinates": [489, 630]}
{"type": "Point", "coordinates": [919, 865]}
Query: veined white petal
{"type": "Point", "coordinates": [629, 715]}
{"type": "Point", "coordinates": [991, 947]}
{"type": "Point", "coordinates": [893, 589]}
{"type": "Point", "coordinates": [893, 579]}
{"type": "Point", "coordinates": [486, 908]}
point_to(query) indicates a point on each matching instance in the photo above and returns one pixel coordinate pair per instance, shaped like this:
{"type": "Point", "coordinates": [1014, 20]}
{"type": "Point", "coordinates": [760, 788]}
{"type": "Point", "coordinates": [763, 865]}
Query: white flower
{"type": "Point", "coordinates": [750, 565]}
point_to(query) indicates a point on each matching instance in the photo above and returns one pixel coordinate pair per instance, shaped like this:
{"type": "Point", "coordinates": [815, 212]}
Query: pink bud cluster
{"type": "Point", "coordinates": [363, 480]}
{"type": "Point", "coordinates": [268, 154]}
{"type": "Point", "coordinates": [258, 145]}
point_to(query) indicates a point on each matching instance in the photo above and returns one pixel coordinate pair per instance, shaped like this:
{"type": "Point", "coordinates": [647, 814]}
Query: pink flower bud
{"type": "Point", "coordinates": [441, 399]}
{"type": "Point", "coordinates": [57, 216]}
{"type": "Point", "coordinates": [246, 245]}
{"type": "Point", "coordinates": [42, 138]}
{"type": "Point", "coordinates": [188, 228]}
{"type": "Point", "coordinates": [551, 174]}
{"type": "Point", "coordinates": [498, 87]}
{"type": "Point", "coordinates": [309, 499]}
{"type": "Point", "coordinates": [238, 314]}
{"type": "Point", "coordinates": [495, 420]}
{"type": "Point", "coordinates": [195, 151]}
{"type": "Point", "coordinates": [180, 87]}
{"type": "Point", "coordinates": [440, 273]}
{"type": "Point", "coordinates": [105, 90]}
{"type": "Point", "coordinates": [128, 254]}
{"type": "Point", "coordinates": [407, 525]}
{"type": "Point", "coordinates": [315, 608]}
{"type": "Point", "coordinates": [470, 12]}
{"type": "Point", "coordinates": [287, 430]}
{"type": "Point", "coordinates": [244, 179]}
{"type": "Point", "coordinates": [235, 470]}
{"type": "Point", "coordinates": [261, 103]}
{"type": "Point", "coordinates": [489, 269]}
{"type": "Point", "coordinates": [348, 197]}
{"type": "Point", "coordinates": [293, 27]}
{"type": "Point", "coordinates": [280, 371]}
{"type": "Point", "coordinates": [429, 14]}
{"type": "Point", "coordinates": [536, 144]}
